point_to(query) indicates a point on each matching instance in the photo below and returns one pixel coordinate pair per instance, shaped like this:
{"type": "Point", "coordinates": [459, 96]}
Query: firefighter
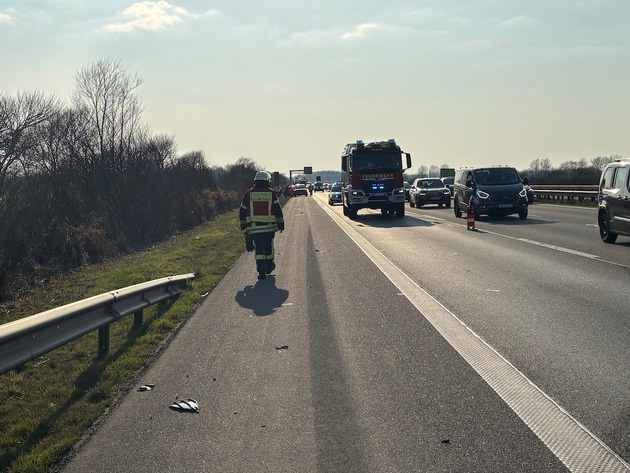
{"type": "Point", "coordinates": [261, 217]}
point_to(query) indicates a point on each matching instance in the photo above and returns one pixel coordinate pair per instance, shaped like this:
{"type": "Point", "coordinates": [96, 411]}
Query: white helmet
{"type": "Point", "coordinates": [262, 176]}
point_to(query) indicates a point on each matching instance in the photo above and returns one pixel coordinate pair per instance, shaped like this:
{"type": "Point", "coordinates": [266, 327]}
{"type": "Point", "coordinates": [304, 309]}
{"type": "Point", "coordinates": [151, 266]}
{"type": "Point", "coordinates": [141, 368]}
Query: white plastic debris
{"type": "Point", "coordinates": [188, 405]}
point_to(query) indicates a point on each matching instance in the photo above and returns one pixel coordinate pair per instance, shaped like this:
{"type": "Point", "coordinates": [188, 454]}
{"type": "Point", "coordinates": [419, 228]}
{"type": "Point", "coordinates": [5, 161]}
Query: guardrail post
{"type": "Point", "coordinates": [137, 318]}
{"type": "Point", "coordinates": [103, 341]}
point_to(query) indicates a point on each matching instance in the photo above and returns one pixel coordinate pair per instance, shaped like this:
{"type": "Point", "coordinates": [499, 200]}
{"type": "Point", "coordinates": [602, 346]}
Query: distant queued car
{"type": "Point", "coordinates": [429, 190]}
{"type": "Point", "coordinates": [318, 186]}
{"type": "Point", "coordinates": [300, 189]}
{"type": "Point", "coordinates": [334, 196]}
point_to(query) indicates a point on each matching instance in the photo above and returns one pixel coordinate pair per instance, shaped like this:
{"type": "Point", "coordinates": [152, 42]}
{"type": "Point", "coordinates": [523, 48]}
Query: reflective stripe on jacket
{"type": "Point", "coordinates": [260, 211]}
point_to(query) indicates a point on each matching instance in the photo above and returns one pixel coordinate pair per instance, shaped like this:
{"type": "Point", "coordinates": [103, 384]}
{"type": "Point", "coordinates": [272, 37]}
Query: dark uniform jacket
{"type": "Point", "coordinates": [260, 211]}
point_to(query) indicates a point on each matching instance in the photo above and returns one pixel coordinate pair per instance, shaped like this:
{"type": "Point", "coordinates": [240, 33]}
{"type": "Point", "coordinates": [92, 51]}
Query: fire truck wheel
{"type": "Point", "coordinates": [400, 211]}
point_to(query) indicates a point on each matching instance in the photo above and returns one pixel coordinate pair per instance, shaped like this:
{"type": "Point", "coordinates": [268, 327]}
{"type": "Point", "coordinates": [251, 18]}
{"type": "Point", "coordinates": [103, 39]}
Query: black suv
{"type": "Point", "coordinates": [496, 190]}
{"type": "Point", "coordinates": [613, 215]}
{"type": "Point", "coordinates": [429, 190]}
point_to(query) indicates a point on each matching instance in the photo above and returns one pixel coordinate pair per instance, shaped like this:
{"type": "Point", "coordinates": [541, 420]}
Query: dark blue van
{"type": "Point", "coordinates": [496, 190]}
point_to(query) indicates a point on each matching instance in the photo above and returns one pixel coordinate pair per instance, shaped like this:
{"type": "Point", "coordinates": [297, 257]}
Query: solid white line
{"type": "Point", "coordinates": [578, 448]}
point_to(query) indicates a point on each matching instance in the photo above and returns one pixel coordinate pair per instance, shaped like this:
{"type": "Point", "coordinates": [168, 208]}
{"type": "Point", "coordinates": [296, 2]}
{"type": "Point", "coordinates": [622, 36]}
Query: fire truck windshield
{"type": "Point", "coordinates": [371, 162]}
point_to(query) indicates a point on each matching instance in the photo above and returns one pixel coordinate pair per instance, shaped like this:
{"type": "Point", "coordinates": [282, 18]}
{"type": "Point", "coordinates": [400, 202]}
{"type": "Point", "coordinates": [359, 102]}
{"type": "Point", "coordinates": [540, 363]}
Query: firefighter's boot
{"type": "Point", "coordinates": [260, 267]}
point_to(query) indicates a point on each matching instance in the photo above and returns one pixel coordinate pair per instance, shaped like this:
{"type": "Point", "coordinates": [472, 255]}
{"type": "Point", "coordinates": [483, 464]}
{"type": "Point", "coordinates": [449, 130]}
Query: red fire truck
{"type": "Point", "coordinates": [372, 177]}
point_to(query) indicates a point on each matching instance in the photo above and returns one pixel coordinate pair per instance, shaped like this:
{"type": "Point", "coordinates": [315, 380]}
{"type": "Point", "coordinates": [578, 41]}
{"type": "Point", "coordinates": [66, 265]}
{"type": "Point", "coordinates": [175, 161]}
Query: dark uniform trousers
{"type": "Point", "coordinates": [264, 251]}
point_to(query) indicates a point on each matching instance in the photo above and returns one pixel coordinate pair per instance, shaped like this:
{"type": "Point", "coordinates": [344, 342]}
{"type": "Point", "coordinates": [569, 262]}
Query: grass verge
{"type": "Point", "coordinates": [48, 405]}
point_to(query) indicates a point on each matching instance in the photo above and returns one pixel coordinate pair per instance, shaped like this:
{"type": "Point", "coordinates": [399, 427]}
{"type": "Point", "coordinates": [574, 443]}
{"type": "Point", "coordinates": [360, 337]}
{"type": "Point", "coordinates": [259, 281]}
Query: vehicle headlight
{"type": "Point", "coordinates": [399, 191]}
{"type": "Point", "coordinates": [446, 191]}
{"type": "Point", "coordinates": [523, 192]}
{"type": "Point", "coordinates": [355, 192]}
{"type": "Point", "coordinates": [482, 194]}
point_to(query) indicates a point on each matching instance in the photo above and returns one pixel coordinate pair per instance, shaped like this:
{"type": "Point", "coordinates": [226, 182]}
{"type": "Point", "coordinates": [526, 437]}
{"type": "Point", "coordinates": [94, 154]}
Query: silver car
{"type": "Point", "coordinates": [334, 196]}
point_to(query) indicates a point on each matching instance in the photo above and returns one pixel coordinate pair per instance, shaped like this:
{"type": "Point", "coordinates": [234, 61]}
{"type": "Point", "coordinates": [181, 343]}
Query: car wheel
{"type": "Point", "coordinates": [411, 203]}
{"type": "Point", "coordinates": [400, 211]}
{"type": "Point", "coordinates": [448, 204]}
{"type": "Point", "coordinates": [458, 212]}
{"type": "Point", "coordinates": [440, 205]}
{"type": "Point", "coordinates": [522, 214]}
{"type": "Point", "coordinates": [606, 235]}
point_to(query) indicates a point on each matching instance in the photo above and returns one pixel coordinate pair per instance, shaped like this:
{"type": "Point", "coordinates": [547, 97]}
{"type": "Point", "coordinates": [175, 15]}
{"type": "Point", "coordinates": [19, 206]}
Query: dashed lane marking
{"type": "Point", "coordinates": [579, 449]}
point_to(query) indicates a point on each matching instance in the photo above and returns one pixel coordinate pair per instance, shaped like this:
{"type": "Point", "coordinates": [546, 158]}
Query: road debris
{"type": "Point", "coordinates": [188, 405]}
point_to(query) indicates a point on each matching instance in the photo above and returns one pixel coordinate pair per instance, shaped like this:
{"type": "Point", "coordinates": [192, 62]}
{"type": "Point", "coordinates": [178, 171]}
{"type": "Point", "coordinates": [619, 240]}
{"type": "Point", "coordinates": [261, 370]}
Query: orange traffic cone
{"type": "Point", "coordinates": [470, 217]}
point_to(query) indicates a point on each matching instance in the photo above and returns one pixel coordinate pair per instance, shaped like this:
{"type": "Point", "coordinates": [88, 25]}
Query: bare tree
{"type": "Point", "coordinates": [572, 165]}
{"type": "Point", "coordinates": [20, 116]}
{"type": "Point", "coordinates": [105, 93]}
{"type": "Point", "coordinates": [540, 165]}
{"type": "Point", "coordinates": [106, 100]}
{"type": "Point", "coordinates": [600, 162]}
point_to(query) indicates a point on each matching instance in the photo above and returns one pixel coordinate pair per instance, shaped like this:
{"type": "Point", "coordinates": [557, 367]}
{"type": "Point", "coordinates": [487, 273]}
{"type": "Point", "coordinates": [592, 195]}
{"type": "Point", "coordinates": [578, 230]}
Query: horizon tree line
{"type": "Point", "coordinates": [541, 171]}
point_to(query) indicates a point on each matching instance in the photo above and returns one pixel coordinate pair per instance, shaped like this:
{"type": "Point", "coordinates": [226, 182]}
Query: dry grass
{"type": "Point", "coordinates": [47, 406]}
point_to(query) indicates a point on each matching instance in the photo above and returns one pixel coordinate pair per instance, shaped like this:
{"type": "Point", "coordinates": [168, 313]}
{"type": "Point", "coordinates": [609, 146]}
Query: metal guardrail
{"type": "Point", "coordinates": [566, 192]}
{"type": "Point", "coordinates": [25, 339]}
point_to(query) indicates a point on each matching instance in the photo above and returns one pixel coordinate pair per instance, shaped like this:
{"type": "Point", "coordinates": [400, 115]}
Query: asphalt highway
{"type": "Point", "coordinates": [395, 345]}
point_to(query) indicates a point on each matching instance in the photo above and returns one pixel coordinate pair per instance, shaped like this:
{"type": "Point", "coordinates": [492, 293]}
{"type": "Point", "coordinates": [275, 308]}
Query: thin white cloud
{"type": "Point", "coordinates": [151, 16]}
{"type": "Point", "coordinates": [515, 22]}
{"type": "Point", "coordinates": [360, 31]}
{"type": "Point", "coordinates": [311, 37]}
{"type": "Point", "coordinates": [5, 19]}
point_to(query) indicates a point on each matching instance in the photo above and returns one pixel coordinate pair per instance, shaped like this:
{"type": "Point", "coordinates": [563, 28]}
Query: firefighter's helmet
{"type": "Point", "coordinates": [262, 176]}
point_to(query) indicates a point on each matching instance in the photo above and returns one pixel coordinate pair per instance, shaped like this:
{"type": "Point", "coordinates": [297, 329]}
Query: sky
{"type": "Point", "coordinates": [289, 83]}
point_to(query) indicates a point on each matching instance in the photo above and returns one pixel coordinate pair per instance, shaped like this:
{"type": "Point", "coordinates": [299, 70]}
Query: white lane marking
{"type": "Point", "coordinates": [552, 247]}
{"type": "Point", "coordinates": [579, 449]}
{"type": "Point", "coordinates": [533, 242]}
